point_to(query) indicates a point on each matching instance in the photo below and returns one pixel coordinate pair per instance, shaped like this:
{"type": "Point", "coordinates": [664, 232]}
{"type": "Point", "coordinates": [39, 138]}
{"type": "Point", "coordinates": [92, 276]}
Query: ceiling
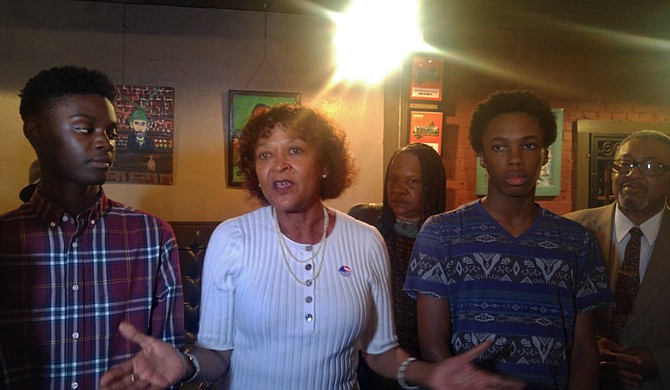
{"type": "Point", "coordinates": [282, 6]}
{"type": "Point", "coordinates": [618, 45]}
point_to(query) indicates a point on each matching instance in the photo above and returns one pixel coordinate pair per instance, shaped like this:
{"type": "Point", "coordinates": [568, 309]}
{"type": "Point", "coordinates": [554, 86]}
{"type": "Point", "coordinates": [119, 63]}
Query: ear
{"type": "Point", "coordinates": [32, 131]}
{"type": "Point", "coordinates": [481, 160]}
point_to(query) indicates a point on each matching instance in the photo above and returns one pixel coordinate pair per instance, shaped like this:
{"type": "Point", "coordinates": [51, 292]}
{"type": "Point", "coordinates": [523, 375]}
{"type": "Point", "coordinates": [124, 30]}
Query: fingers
{"type": "Point", "coordinates": [130, 333]}
{"type": "Point", "coordinates": [120, 377]}
{"type": "Point", "coordinates": [476, 351]}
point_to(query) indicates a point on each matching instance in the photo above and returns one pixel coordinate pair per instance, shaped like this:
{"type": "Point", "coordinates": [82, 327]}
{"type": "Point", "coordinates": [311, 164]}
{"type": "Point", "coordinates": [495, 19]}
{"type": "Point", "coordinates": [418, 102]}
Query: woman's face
{"type": "Point", "coordinates": [289, 171]}
{"type": "Point", "coordinates": [404, 187]}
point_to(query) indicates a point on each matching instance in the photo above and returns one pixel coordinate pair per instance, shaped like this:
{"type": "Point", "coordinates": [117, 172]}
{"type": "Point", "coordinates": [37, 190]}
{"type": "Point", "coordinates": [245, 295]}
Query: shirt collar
{"type": "Point", "coordinates": [650, 227]}
{"type": "Point", "coordinates": [52, 214]}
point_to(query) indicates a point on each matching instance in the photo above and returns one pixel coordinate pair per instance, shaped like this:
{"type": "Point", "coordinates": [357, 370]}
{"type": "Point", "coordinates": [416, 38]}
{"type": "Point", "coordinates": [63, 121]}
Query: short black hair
{"type": "Point", "coordinates": [654, 135]}
{"type": "Point", "coordinates": [503, 102]}
{"type": "Point", "coordinates": [48, 86]}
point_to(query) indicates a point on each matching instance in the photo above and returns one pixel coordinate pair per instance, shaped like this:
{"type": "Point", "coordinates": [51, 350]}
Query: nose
{"type": "Point", "coordinates": [103, 141]}
{"type": "Point", "coordinates": [281, 164]}
{"type": "Point", "coordinates": [515, 157]}
{"type": "Point", "coordinates": [397, 187]}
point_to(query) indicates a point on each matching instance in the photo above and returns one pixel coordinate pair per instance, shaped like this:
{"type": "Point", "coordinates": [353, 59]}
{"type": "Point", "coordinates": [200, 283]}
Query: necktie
{"type": "Point", "coordinates": [627, 283]}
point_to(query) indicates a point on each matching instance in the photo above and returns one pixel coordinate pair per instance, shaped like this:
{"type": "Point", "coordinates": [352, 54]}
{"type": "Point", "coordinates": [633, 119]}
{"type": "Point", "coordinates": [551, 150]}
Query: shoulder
{"type": "Point", "coordinates": [562, 222]}
{"type": "Point", "coordinates": [586, 215]}
{"type": "Point", "coordinates": [117, 212]}
{"type": "Point", "coordinates": [366, 212]}
{"type": "Point", "coordinates": [353, 224]}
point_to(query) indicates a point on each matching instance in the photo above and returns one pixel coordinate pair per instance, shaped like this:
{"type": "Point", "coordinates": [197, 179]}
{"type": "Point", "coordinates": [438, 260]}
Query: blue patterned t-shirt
{"type": "Point", "coordinates": [523, 293]}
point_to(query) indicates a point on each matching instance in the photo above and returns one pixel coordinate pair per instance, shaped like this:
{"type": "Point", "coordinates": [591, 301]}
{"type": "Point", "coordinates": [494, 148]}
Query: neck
{"type": "Point", "coordinates": [73, 200]}
{"type": "Point", "coordinates": [638, 217]}
{"type": "Point", "coordinates": [515, 217]}
{"type": "Point", "coordinates": [304, 227]}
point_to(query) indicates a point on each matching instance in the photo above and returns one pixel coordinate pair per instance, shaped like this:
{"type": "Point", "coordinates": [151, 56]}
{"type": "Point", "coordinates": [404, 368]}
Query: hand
{"type": "Point", "coordinates": [459, 372]}
{"type": "Point", "coordinates": [628, 365]}
{"type": "Point", "coordinates": [157, 366]}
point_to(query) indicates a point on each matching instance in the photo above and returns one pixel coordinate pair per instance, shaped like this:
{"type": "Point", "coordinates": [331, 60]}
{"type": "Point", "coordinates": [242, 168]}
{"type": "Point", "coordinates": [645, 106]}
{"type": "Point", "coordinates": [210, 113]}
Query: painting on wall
{"type": "Point", "coordinates": [426, 80]}
{"type": "Point", "coordinates": [144, 145]}
{"type": "Point", "coordinates": [426, 127]}
{"type": "Point", "coordinates": [549, 182]}
{"type": "Point", "coordinates": [242, 105]}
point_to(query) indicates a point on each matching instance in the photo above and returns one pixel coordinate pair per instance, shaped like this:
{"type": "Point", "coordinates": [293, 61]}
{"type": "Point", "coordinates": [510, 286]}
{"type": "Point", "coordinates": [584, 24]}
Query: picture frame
{"type": "Point", "coordinates": [426, 79]}
{"type": "Point", "coordinates": [241, 106]}
{"type": "Point", "coordinates": [426, 127]}
{"type": "Point", "coordinates": [549, 182]}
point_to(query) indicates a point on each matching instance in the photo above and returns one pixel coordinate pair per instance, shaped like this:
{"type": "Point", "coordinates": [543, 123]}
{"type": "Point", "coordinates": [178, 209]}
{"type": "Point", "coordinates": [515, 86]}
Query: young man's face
{"type": "Point", "coordinates": [513, 154]}
{"type": "Point", "coordinates": [74, 140]}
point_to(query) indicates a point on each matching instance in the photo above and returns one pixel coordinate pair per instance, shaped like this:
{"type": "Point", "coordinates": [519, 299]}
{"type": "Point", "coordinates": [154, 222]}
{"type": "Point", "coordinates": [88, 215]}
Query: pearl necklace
{"type": "Point", "coordinates": [321, 248]}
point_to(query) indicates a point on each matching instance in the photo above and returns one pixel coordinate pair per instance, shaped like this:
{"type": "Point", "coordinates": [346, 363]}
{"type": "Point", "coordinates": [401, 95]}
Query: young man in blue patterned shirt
{"type": "Point", "coordinates": [507, 270]}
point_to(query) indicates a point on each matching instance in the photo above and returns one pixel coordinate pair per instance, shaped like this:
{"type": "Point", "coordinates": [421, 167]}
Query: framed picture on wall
{"type": "Point", "coordinates": [242, 105]}
{"type": "Point", "coordinates": [426, 127]}
{"type": "Point", "coordinates": [426, 79]}
{"type": "Point", "coordinates": [549, 182]}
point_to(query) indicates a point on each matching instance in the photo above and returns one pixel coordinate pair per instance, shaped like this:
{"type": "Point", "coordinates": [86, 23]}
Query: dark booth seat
{"type": "Point", "coordinates": [192, 239]}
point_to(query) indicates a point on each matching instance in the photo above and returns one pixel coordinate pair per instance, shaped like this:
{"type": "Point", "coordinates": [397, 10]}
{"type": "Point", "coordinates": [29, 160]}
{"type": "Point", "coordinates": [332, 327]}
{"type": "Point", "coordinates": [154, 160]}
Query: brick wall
{"type": "Point", "coordinates": [460, 160]}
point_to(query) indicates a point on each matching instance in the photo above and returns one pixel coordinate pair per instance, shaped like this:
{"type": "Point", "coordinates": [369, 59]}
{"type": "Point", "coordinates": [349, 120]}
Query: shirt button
{"type": "Point", "coordinates": [52, 224]}
{"type": "Point", "coordinates": [75, 287]}
{"type": "Point", "coordinates": [74, 385]}
{"type": "Point", "coordinates": [308, 282]}
{"type": "Point", "coordinates": [92, 222]}
{"type": "Point", "coordinates": [308, 267]}
{"type": "Point", "coordinates": [308, 299]}
{"type": "Point", "coordinates": [65, 218]}
{"type": "Point", "coordinates": [75, 335]}
{"type": "Point", "coordinates": [309, 317]}
{"type": "Point", "coordinates": [75, 245]}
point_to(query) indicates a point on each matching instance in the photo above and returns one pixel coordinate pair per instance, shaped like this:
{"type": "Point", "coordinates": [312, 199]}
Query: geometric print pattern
{"type": "Point", "coordinates": [522, 293]}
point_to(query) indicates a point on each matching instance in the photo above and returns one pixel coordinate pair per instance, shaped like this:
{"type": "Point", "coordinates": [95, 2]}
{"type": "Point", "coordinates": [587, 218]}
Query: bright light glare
{"type": "Point", "coordinates": [374, 36]}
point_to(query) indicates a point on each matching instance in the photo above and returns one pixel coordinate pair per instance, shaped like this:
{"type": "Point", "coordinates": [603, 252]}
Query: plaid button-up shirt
{"type": "Point", "coordinates": [67, 281]}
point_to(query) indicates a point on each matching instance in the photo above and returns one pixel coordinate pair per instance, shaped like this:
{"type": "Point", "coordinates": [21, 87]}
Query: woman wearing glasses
{"type": "Point", "coordinates": [635, 344]}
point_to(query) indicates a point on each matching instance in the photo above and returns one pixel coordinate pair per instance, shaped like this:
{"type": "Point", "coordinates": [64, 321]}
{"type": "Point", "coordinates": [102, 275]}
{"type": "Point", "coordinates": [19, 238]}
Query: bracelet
{"type": "Point", "coordinates": [400, 376]}
{"type": "Point", "coordinates": [190, 361]}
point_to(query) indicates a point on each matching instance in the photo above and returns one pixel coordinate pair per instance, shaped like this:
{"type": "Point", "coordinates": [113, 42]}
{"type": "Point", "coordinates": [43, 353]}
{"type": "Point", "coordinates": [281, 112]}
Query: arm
{"type": "Point", "coordinates": [450, 374]}
{"type": "Point", "coordinates": [584, 359]}
{"type": "Point", "coordinates": [167, 315]}
{"type": "Point", "coordinates": [159, 365]}
{"type": "Point", "coordinates": [434, 326]}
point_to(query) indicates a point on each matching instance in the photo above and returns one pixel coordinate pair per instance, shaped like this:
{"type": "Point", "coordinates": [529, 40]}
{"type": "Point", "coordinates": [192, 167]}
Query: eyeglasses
{"type": "Point", "coordinates": [648, 168]}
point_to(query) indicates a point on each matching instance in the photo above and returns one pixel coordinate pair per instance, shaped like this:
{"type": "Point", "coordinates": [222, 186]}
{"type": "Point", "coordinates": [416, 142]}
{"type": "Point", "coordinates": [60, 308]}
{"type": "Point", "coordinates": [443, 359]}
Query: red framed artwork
{"type": "Point", "coordinates": [426, 127]}
{"type": "Point", "coordinates": [426, 80]}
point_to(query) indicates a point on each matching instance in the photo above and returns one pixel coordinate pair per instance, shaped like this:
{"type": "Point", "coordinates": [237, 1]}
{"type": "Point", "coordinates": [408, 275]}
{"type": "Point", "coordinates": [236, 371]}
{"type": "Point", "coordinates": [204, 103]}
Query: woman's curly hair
{"type": "Point", "coordinates": [309, 125]}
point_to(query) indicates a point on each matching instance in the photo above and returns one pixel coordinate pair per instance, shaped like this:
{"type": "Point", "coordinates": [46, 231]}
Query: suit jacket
{"type": "Point", "coordinates": [648, 324]}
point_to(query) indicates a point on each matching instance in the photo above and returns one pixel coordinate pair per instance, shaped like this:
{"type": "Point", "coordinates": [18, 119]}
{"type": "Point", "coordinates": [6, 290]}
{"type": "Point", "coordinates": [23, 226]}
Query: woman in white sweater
{"type": "Point", "coordinates": [292, 290]}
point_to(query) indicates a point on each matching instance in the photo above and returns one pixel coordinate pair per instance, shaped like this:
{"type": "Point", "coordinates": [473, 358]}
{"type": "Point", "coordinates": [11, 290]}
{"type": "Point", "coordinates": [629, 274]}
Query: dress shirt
{"type": "Point", "coordinates": [650, 229]}
{"type": "Point", "coordinates": [67, 281]}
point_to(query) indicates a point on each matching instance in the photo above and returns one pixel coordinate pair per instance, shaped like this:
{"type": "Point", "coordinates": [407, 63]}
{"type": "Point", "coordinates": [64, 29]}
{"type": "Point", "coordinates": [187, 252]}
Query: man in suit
{"type": "Point", "coordinates": [637, 353]}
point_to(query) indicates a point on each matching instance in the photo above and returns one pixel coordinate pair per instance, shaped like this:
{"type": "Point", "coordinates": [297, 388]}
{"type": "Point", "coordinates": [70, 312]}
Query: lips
{"type": "Point", "coordinates": [516, 178]}
{"type": "Point", "coordinates": [633, 187]}
{"type": "Point", "coordinates": [102, 163]}
{"type": "Point", "coordinates": [282, 184]}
